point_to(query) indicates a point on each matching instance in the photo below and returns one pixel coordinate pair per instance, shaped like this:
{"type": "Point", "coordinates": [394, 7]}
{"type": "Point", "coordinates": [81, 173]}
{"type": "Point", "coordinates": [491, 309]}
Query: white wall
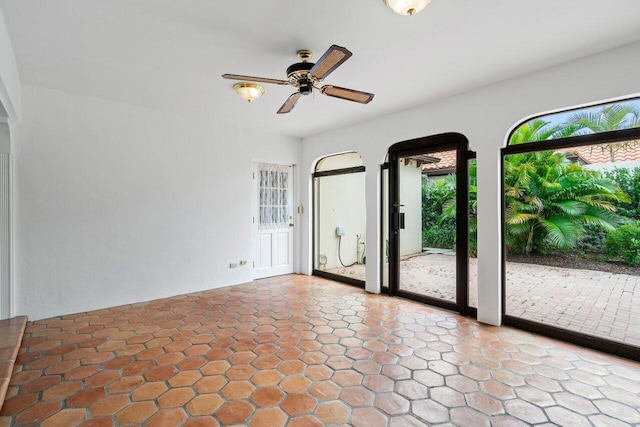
{"type": "Point", "coordinates": [485, 116]}
{"type": "Point", "coordinates": [119, 204]}
{"type": "Point", "coordinates": [10, 112]}
{"type": "Point", "coordinates": [10, 100]}
{"type": "Point", "coordinates": [339, 161]}
{"type": "Point", "coordinates": [611, 166]}
{"type": "Point", "coordinates": [6, 218]}
{"type": "Point", "coordinates": [411, 198]}
{"type": "Point", "coordinates": [341, 202]}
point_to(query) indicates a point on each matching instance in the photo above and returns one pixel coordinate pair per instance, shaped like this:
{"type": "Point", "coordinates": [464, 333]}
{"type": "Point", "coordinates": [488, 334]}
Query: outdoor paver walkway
{"type": "Point", "coordinates": [304, 351]}
{"type": "Point", "coordinates": [596, 303]}
{"type": "Point", "coordinates": [592, 302]}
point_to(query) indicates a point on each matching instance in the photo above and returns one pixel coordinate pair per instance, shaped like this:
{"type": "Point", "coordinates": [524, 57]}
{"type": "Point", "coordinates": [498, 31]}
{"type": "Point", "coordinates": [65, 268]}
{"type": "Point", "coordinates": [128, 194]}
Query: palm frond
{"type": "Point", "coordinates": [449, 208]}
{"type": "Point", "coordinates": [519, 229]}
{"type": "Point", "coordinates": [611, 219]}
{"type": "Point", "coordinates": [597, 221]}
{"type": "Point", "coordinates": [520, 218]}
{"type": "Point", "coordinates": [571, 207]}
{"type": "Point", "coordinates": [562, 232]}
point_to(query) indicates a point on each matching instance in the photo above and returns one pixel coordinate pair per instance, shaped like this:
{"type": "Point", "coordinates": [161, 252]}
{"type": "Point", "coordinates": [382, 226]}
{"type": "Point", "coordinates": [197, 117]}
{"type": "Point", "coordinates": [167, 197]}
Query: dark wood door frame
{"type": "Point", "coordinates": [331, 276]}
{"type": "Point", "coordinates": [425, 145]}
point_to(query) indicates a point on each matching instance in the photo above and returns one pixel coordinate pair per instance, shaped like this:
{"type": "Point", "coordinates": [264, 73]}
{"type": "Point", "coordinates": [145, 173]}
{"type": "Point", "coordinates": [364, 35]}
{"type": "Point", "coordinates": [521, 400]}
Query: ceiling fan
{"type": "Point", "coordinates": [305, 76]}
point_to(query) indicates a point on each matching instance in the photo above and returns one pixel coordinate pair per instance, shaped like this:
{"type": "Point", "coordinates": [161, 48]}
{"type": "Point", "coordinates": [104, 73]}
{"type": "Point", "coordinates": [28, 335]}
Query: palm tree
{"type": "Point", "coordinates": [549, 201]}
{"type": "Point", "coordinates": [609, 118]}
{"type": "Point", "coordinates": [541, 130]}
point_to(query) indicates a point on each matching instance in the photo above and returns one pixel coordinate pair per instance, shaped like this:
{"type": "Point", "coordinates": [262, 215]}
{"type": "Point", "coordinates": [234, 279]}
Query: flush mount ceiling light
{"type": "Point", "coordinates": [407, 7]}
{"type": "Point", "coordinates": [248, 91]}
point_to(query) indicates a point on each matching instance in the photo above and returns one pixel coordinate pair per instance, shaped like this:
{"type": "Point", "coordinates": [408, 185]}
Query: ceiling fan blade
{"type": "Point", "coordinates": [348, 94]}
{"type": "Point", "coordinates": [289, 103]}
{"type": "Point", "coordinates": [254, 79]}
{"type": "Point", "coordinates": [332, 59]}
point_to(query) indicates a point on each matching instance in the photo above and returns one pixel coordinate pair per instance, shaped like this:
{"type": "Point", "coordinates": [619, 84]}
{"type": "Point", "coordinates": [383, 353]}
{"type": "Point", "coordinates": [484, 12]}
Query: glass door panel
{"type": "Point", "coordinates": [473, 235]}
{"type": "Point", "coordinates": [429, 220]}
{"type": "Point", "coordinates": [426, 213]}
{"type": "Point", "coordinates": [384, 256]}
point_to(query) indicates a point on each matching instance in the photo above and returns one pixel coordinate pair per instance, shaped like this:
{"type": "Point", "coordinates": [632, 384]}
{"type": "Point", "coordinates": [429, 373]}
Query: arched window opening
{"type": "Point", "coordinates": [571, 216]}
{"type": "Point", "coordinates": [339, 230]}
{"type": "Point", "coordinates": [597, 119]}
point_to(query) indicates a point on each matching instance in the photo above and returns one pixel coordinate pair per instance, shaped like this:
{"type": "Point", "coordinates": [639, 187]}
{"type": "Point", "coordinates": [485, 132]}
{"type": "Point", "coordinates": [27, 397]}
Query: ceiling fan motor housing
{"type": "Point", "coordinates": [306, 87]}
{"type": "Point", "coordinates": [298, 75]}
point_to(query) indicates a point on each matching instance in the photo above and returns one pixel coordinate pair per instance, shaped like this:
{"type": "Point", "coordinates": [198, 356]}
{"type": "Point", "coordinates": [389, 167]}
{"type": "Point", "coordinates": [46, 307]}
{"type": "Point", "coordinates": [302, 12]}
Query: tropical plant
{"type": "Point", "coordinates": [549, 201]}
{"type": "Point", "coordinates": [439, 211]}
{"type": "Point", "coordinates": [443, 237]}
{"type": "Point", "coordinates": [629, 181]}
{"type": "Point", "coordinates": [449, 207]}
{"type": "Point", "coordinates": [541, 130]}
{"type": "Point", "coordinates": [434, 195]}
{"type": "Point", "coordinates": [624, 242]}
{"type": "Point", "coordinates": [438, 231]}
{"type": "Point", "coordinates": [606, 119]}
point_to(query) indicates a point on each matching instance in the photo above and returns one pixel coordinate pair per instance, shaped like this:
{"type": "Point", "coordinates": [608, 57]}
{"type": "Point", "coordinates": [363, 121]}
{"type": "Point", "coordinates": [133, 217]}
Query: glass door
{"type": "Point", "coordinates": [429, 221]}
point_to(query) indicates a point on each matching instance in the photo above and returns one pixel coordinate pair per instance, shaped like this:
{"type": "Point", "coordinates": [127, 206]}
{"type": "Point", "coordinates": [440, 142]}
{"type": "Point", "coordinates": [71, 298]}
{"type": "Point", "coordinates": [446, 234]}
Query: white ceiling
{"type": "Point", "coordinates": [169, 54]}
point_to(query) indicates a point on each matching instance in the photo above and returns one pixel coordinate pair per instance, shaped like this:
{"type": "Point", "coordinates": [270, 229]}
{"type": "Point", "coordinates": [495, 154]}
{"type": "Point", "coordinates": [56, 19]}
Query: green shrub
{"type": "Point", "coordinates": [438, 236]}
{"type": "Point", "coordinates": [473, 243]}
{"type": "Point", "coordinates": [549, 202]}
{"type": "Point", "coordinates": [593, 239]}
{"type": "Point", "coordinates": [434, 196]}
{"type": "Point", "coordinates": [438, 230]}
{"type": "Point", "coordinates": [629, 181]}
{"type": "Point", "coordinates": [624, 242]}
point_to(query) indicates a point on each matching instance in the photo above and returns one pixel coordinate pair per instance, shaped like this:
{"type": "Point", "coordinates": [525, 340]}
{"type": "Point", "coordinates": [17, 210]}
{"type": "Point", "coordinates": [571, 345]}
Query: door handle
{"type": "Point", "coordinates": [398, 221]}
{"type": "Point", "coordinates": [290, 224]}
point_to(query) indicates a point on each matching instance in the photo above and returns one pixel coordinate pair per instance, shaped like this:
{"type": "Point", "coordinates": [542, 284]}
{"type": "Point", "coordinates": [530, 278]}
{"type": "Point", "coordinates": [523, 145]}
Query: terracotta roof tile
{"type": "Point", "coordinates": [598, 154]}
{"type": "Point", "coordinates": [591, 154]}
{"type": "Point", "coordinates": [447, 160]}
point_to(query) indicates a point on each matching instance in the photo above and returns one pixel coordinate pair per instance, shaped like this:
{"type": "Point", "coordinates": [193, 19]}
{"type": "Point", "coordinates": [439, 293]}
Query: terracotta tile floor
{"type": "Point", "coordinates": [591, 302]}
{"type": "Point", "coordinates": [304, 351]}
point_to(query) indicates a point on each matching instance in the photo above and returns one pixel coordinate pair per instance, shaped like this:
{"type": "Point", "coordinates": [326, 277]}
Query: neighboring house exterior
{"type": "Point", "coordinates": [599, 156]}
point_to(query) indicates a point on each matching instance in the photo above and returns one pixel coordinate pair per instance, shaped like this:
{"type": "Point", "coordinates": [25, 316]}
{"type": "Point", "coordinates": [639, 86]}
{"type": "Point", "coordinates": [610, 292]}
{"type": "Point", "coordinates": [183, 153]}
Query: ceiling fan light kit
{"type": "Point", "coordinates": [407, 7]}
{"type": "Point", "coordinates": [307, 76]}
{"type": "Point", "coordinates": [249, 91]}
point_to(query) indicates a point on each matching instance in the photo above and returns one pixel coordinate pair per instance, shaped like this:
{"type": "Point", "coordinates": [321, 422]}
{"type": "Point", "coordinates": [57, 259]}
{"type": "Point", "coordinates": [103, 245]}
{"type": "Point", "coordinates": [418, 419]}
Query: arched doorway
{"type": "Point", "coordinates": [339, 218]}
{"type": "Point", "coordinates": [419, 269]}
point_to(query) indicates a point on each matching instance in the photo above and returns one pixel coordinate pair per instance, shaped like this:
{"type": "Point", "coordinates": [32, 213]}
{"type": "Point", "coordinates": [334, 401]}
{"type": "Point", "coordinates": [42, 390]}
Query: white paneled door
{"type": "Point", "coordinates": [273, 220]}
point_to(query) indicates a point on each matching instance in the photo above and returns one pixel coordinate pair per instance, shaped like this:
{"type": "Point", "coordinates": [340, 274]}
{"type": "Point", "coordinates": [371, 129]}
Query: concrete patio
{"type": "Point", "coordinates": [592, 302]}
